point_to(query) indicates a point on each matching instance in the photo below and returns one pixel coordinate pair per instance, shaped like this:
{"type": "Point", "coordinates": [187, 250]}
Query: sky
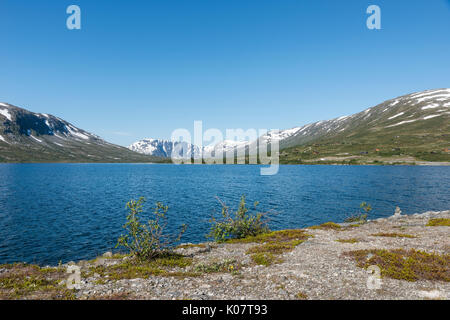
{"type": "Point", "coordinates": [141, 69]}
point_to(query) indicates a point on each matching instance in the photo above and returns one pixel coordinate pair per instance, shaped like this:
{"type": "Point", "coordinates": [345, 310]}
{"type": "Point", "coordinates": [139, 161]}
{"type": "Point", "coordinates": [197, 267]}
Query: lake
{"type": "Point", "coordinates": [62, 212]}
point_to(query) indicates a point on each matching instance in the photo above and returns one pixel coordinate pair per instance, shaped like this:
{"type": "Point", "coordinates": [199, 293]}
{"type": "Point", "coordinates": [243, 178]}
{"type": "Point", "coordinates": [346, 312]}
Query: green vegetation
{"type": "Point", "coordinates": [301, 296]}
{"type": "Point", "coordinates": [274, 244]}
{"type": "Point", "coordinates": [327, 226]}
{"type": "Point", "coordinates": [228, 265]}
{"type": "Point", "coordinates": [406, 265]}
{"type": "Point", "coordinates": [352, 240]}
{"type": "Point", "coordinates": [438, 222]}
{"type": "Point", "coordinates": [147, 241]}
{"type": "Point", "coordinates": [265, 258]}
{"type": "Point", "coordinates": [23, 281]}
{"type": "Point", "coordinates": [168, 265]}
{"type": "Point", "coordinates": [239, 224]}
{"type": "Point", "coordinates": [360, 217]}
{"type": "Point", "coordinates": [393, 235]}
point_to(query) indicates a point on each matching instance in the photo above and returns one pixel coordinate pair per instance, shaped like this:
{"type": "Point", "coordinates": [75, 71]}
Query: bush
{"type": "Point", "coordinates": [360, 217]}
{"type": "Point", "coordinates": [147, 241]}
{"type": "Point", "coordinates": [239, 224]}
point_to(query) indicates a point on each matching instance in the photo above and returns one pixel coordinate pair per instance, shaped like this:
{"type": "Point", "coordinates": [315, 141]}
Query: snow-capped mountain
{"type": "Point", "coordinates": [38, 137]}
{"type": "Point", "coordinates": [166, 148]}
{"type": "Point", "coordinates": [414, 114]}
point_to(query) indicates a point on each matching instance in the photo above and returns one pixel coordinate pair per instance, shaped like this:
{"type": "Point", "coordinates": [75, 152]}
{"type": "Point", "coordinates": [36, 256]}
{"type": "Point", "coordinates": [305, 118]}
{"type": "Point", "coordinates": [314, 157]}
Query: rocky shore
{"type": "Point", "coordinates": [331, 261]}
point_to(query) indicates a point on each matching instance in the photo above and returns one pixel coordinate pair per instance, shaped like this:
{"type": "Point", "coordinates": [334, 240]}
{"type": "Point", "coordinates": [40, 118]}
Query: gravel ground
{"type": "Point", "coordinates": [316, 268]}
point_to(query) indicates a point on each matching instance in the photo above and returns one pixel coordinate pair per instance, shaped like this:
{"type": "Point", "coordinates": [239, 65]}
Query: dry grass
{"type": "Point", "coordinates": [438, 222]}
{"type": "Point", "coordinates": [393, 235]}
{"type": "Point", "coordinates": [24, 281]}
{"type": "Point", "coordinates": [327, 226]}
{"type": "Point", "coordinates": [409, 265]}
{"type": "Point", "coordinates": [352, 240]}
{"type": "Point", "coordinates": [275, 244]}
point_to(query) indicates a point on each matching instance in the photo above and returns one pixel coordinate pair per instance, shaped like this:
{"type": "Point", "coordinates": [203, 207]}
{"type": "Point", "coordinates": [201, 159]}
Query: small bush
{"type": "Point", "coordinates": [239, 224]}
{"type": "Point", "coordinates": [360, 217]}
{"type": "Point", "coordinates": [147, 241]}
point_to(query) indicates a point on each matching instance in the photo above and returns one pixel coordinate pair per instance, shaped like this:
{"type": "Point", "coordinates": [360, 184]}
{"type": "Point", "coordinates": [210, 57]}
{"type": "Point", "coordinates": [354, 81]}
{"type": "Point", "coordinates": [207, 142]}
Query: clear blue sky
{"type": "Point", "coordinates": [141, 69]}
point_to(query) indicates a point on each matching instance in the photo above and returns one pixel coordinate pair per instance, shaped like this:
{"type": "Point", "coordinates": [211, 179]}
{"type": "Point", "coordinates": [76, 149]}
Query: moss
{"type": "Point", "coordinates": [228, 265]}
{"type": "Point", "coordinates": [438, 222]}
{"type": "Point", "coordinates": [274, 244]}
{"type": "Point", "coordinates": [23, 281]}
{"type": "Point", "coordinates": [283, 235]}
{"type": "Point", "coordinates": [301, 296]}
{"type": "Point", "coordinates": [411, 265]}
{"type": "Point", "coordinates": [352, 240]}
{"type": "Point", "coordinates": [327, 226]}
{"type": "Point", "coordinates": [393, 235]}
{"type": "Point", "coordinates": [265, 258]}
{"type": "Point", "coordinates": [135, 268]}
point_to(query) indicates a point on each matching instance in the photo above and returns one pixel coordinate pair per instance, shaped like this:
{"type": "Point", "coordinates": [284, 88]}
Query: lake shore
{"type": "Point", "coordinates": [323, 263]}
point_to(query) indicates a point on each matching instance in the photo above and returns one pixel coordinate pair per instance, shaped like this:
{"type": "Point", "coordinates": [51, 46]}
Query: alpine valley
{"type": "Point", "coordinates": [410, 129]}
{"type": "Point", "coordinates": [407, 129]}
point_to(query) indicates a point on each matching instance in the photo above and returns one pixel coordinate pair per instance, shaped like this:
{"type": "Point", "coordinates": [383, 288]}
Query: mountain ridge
{"type": "Point", "coordinates": [423, 114]}
{"type": "Point", "coordinates": [27, 136]}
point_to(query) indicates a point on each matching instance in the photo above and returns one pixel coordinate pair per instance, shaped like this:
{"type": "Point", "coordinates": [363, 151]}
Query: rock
{"type": "Point", "coordinates": [108, 254]}
{"type": "Point", "coordinates": [397, 213]}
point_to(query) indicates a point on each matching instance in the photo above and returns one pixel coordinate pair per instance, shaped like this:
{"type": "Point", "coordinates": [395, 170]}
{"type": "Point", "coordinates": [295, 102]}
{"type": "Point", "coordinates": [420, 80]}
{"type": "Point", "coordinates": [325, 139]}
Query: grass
{"type": "Point", "coordinates": [272, 245]}
{"type": "Point", "coordinates": [409, 265]}
{"type": "Point", "coordinates": [275, 236]}
{"type": "Point", "coordinates": [393, 235]}
{"type": "Point", "coordinates": [352, 240]}
{"type": "Point", "coordinates": [24, 281]}
{"type": "Point", "coordinates": [301, 296]}
{"type": "Point", "coordinates": [134, 268]}
{"type": "Point", "coordinates": [439, 222]}
{"type": "Point", "coordinates": [228, 265]}
{"type": "Point", "coordinates": [327, 226]}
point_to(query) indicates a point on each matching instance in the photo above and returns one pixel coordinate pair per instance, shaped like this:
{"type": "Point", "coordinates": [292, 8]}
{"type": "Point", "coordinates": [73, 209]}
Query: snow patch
{"type": "Point", "coordinates": [397, 115]}
{"type": "Point", "coordinates": [3, 139]}
{"type": "Point", "coordinates": [5, 113]}
{"type": "Point", "coordinates": [400, 123]}
{"type": "Point", "coordinates": [431, 106]}
{"type": "Point", "coordinates": [432, 116]}
{"type": "Point", "coordinates": [35, 139]}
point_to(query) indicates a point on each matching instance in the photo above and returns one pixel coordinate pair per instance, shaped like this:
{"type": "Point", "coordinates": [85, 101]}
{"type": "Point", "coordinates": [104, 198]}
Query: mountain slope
{"type": "Point", "coordinates": [415, 125]}
{"type": "Point", "coordinates": [33, 137]}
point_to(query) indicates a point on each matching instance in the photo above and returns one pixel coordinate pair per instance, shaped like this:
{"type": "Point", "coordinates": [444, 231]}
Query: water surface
{"type": "Point", "coordinates": [62, 212]}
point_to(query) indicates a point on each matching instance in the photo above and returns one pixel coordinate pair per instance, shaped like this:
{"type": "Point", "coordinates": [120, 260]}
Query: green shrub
{"type": "Point", "coordinates": [360, 217]}
{"type": "Point", "coordinates": [239, 224]}
{"type": "Point", "coordinates": [147, 241]}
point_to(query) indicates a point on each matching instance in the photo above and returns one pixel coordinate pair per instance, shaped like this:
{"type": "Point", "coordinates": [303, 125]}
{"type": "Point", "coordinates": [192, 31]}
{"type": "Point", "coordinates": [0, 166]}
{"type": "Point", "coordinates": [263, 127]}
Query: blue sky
{"type": "Point", "coordinates": [141, 69]}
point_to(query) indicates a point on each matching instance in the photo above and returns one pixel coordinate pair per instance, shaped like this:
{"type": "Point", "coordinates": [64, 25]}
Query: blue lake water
{"type": "Point", "coordinates": [62, 212]}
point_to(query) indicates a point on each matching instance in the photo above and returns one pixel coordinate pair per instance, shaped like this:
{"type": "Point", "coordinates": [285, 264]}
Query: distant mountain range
{"type": "Point", "coordinates": [38, 137]}
{"type": "Point", "coordinates": [415, 125]}
{"type": "Point", "coordinates": [412, 127]}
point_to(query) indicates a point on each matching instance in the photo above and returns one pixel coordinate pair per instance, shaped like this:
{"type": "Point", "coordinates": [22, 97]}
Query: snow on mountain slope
{"type": "Point", "coordinates": [408, 112]}
{"type": "Point", "coordinates": [38, 137]}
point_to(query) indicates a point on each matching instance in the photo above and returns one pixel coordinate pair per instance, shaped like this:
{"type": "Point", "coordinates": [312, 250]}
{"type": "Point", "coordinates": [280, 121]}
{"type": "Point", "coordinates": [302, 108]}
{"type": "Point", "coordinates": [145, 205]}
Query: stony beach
{"type": "Point", "coordinates": [322, 263]}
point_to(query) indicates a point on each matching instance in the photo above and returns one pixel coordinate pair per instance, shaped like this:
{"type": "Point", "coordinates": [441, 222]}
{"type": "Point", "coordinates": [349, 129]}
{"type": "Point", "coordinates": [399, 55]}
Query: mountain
{"type": "Point", "coordinates": [414, 126]}
{"type": "Point", "coordinates": [411, 127]}
{"type": "Point", "coordinates": [166, 148]}
{"type": "Point", "coordinates": [38, 137]}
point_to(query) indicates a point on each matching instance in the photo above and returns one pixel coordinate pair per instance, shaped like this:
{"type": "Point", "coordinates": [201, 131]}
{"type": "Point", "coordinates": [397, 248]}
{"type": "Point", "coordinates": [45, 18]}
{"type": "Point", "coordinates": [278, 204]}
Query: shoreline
{"type": "Point", "coordinates": [316, 267]}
